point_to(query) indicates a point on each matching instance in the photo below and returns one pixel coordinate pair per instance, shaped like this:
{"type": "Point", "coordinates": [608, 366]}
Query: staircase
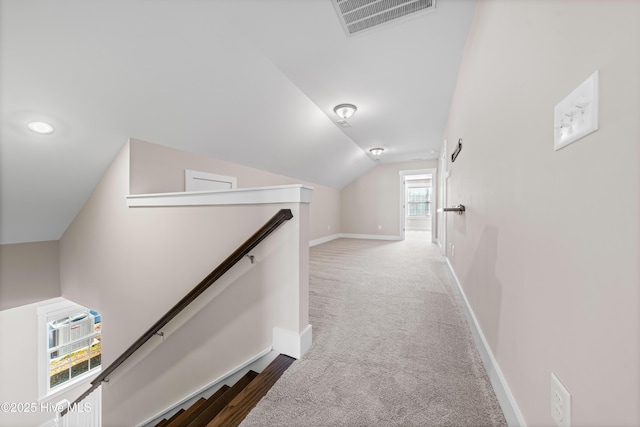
{"type": "Point", "coordinates": [230, 405]}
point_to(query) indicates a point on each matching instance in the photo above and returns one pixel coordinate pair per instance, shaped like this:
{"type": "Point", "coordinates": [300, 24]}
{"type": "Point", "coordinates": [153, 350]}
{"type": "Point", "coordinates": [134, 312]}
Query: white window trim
{"type": "Point", "coordinates": [47, 313]}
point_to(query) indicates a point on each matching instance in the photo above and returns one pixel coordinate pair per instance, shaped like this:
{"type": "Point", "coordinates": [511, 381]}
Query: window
{"type": "Point", "coordinates": [70, 346]}
{"type": "Point", "coordinates": [418, 201]}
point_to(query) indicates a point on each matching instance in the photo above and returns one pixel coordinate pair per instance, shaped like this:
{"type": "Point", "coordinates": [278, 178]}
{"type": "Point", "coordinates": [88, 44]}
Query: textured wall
{"type": "Point", "coordinates": [548, 249]}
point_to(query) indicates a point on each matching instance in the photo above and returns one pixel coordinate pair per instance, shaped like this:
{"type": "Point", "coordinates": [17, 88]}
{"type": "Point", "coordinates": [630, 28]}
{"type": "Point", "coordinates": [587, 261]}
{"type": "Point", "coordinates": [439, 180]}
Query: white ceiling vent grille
{"type": "Point", "coordinates": [359, 15]}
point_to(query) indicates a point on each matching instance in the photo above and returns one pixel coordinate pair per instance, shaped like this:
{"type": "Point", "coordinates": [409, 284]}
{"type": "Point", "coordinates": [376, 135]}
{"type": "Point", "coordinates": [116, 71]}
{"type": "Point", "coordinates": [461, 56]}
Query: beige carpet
{"type": "Point", "coordinates": [391, 345]}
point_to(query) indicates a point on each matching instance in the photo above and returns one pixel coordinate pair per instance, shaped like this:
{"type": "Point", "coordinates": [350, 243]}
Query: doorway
{"type": "Point", "coordinates": [442, 192]}
{"type": "Point", "coordinates": [417, 204]}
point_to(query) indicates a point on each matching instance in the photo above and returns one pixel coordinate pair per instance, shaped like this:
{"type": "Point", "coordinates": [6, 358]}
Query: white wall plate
{"type": "Point", "coordinates": [560, 403]}
{"type": "Point", "coordinates": [576, 116]}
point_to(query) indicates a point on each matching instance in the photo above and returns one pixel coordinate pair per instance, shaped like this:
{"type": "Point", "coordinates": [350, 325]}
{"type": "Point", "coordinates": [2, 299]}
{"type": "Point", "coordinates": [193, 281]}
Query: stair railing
{"type": "Point", "coordinates": [243, 250]}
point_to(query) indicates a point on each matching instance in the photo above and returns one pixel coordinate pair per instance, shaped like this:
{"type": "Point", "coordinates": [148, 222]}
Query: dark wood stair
{"type": "Point", "coordinates": [248, 398]}
{"type": "Point", "coordinates": [230, 405]}
{"type": "Point", "coordinates": [197, 408]}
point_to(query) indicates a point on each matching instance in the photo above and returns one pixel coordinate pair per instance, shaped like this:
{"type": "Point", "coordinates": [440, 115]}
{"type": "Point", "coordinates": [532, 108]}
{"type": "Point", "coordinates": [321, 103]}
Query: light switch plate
{"type": "Point", "coordinates": [576, 116]}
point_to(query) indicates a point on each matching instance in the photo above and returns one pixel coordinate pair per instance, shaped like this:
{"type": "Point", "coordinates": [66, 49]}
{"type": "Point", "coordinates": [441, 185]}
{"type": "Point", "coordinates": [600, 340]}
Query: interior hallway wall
{"type": "Point", "coordinates": [29, 272]}
{"type": "Point", "coordinates": [19, 368]}
{"type": "Point", "coordinates": [165, 174]}
{"type": "Point", "coordinates": [133, 264]}
{"type": "Point", "coordinates": [547, 252]}
{"type": "Point", "coordinates": [373, 199]}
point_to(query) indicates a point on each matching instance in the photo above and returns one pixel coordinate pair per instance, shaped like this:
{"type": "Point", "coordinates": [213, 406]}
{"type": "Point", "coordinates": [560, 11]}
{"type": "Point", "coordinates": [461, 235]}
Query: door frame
{"type": "Point", "coordinates": [442, 235]}
{"type": "Point", "coordinates": [434, 185]}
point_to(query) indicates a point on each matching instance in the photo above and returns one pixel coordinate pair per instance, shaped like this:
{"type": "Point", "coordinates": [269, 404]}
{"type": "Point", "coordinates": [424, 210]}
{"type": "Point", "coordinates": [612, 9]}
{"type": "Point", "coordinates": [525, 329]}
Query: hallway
{"type": "Point", "coordinates": [391, 345]}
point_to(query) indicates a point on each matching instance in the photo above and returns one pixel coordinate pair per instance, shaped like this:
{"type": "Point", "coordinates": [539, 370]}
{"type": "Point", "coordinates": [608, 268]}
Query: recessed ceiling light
{"type": "Point", "coordinates": [40, 127]}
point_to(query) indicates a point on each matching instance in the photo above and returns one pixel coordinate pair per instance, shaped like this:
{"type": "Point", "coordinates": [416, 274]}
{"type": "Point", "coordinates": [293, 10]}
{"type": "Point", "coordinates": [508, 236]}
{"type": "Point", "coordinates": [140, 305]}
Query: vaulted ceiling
{"type": "Point", "coordinates": [249, 81]}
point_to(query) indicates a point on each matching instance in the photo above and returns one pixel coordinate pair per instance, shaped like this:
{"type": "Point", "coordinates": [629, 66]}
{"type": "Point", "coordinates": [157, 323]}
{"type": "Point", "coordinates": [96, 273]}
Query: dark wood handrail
{"type": "Point", "coordinates": [269, 227]}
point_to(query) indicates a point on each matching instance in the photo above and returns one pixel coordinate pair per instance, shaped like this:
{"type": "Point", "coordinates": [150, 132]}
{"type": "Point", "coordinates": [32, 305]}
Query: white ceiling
{"type": "Point", "coordinates": [249, 81]}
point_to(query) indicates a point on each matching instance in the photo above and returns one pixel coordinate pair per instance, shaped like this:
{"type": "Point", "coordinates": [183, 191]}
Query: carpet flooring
{"type": "Point", "coordinates": [391, 346]}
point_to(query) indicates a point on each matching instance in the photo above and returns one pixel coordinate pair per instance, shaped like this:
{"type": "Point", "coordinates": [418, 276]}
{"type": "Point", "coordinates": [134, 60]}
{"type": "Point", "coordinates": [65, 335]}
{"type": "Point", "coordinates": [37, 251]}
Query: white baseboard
{"type": "Point", "coordinates": [324, 239]}
{"type": "Point", "coordinates": [369, 236]}
{"type": "Point", "coordinates": [290, 343]}
{"type": "Point", "coordinates": [507, 402]}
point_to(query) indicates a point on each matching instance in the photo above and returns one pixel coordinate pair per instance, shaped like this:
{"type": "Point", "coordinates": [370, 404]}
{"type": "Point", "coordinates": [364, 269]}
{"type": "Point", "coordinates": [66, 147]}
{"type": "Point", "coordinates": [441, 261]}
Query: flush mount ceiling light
{"type": "Point", "coordinates": [40, 127]}
{"type": "Point", "coordinates": [345, 111]}
{"type": "Point", "coordinates": [376, 151]}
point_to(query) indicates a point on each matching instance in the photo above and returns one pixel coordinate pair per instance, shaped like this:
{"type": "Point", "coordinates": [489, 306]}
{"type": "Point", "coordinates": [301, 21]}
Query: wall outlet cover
{"type": "Point", "coordinates": [560, 403]}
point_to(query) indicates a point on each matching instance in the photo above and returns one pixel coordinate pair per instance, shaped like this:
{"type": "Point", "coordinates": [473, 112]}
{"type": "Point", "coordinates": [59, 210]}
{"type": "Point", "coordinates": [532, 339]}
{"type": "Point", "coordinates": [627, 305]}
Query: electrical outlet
{"type": "Point", "coordinates": [452, 249]}
{"type": "Point", "coordinates": [379, 227]}
{"type": "Point", "coordinates": [329, 227]}
{"type": "Point", "coordinates": [560, 403]}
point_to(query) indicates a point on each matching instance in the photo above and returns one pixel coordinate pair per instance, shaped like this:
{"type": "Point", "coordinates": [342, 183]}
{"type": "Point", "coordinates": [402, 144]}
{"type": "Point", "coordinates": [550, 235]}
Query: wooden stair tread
{"type": "Point", "coordinates": [240, 406]}
{"type": "Point", "coordinates": [163, 423]}
{"type": "Point", "coordinates": [181, 419]}
{"type": "Point", "coordinates": [193, 414]}
{"type": "Point", "coordinates": [212, 410]}
{"type": "Point", "coordinates": [173, 418]}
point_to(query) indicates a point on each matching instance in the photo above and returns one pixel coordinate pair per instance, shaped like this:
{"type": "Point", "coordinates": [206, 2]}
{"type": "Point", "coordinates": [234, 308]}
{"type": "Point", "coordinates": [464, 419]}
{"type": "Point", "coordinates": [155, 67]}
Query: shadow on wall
{"type": "Point", "coordinates": [459, 222]}
{"type": "Point", "coordinates": [483, 287]}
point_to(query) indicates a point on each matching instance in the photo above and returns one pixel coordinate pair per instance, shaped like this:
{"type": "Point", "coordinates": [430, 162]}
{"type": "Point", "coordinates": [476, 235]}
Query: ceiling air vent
{"type": "Point", "coordinates": [359, 15]}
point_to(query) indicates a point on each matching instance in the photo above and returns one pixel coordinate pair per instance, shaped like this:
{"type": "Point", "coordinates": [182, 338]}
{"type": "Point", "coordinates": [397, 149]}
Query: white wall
{"type": "Point", "coordinates": [29, 272]}
{"type": "Point", "coordinates": [134, 264]}
{"type": "Point", "coordinates": [547, 252]}
{"type": "Point", "coordinates": [159, 169]}
{"type": "Point", "coordinates": [373, 199]}
{"type": "Point", "coordinates": [19, 367]}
